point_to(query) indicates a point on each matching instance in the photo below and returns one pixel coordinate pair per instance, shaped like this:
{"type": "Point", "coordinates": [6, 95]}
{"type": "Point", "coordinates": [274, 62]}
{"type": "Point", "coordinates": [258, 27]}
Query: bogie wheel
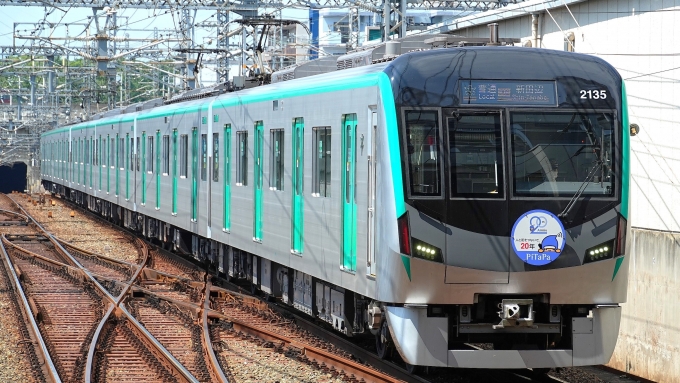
{"type": "Point", "coordinates": [383, 341]}
{"type": "Point", "coordinates": [413, 369]}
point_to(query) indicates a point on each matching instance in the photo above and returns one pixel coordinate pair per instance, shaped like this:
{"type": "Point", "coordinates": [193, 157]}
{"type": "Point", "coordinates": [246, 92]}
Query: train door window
{"type": "Point", "coordinates": [149, 156]}
{"type": "Point", "coordinates": [423, 152]}
{"type": "Point", "coordinates": [183, 155]}
{"type": "Point", "coordinates": [204, 157]}
{"type": "Point", "coordinates": [112, 152]}
{"type": "Point", "coordinates": [475, 145]}
{"type": "Point", "coordinates": [216, 158]}
{"type": "Point", "coordinates": [242, 159]}
{"type": "Point", "coordinates": [121, 154]}
{"type": "Point", "coordinates": [138, 155]}
{"type": "Point", "coordinates": [87, 151]}
{"type": "Point", "coordinates": [166, 155]}
{"type": "Point", "coordinates": [276, 162]}
{"type": "Point", "coordinates": [131, 154]}
{"type": "Point", "coordinates": [321, 162]}
{"type": "Point", "coordinates": [95, 157]}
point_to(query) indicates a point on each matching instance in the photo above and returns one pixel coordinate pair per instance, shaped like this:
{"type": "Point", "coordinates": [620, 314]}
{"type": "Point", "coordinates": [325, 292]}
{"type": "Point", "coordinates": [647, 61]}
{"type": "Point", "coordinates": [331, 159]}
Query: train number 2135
{"type": "Point", "coordinates": [593, 94]}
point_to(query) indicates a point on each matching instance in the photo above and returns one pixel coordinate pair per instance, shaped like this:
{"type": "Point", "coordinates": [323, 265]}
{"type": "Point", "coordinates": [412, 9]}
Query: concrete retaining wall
{"type": "Point", "coordinates": [649, 337]}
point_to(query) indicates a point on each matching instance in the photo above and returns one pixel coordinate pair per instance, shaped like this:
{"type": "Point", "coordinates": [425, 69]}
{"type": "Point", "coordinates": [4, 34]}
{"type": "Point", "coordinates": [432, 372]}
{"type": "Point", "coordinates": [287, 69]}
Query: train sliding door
{"type": "Point", "coordinates": [349, 207]}
{"type": "Point", "coordinates": [477, 246]}
{"type": "Point", "coordinates": [298, 167]}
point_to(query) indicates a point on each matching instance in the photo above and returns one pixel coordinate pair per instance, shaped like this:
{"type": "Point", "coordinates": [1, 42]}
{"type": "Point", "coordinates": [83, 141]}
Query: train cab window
{"type": "Point", "coordinates": [242, 159]}
{"type": "Point", "coordinates": [276, 166]}
{"type": "Point", "coordinates": [166, 155]}
{"type": "Point", "coordinates": [476, 155]}
{"type": "Point", "coordinates": [321, 162]}
{"type": "Point", "coordinates": [216, 158]}
{"type": "Point", "coordinates": [562, 153]}
{"type": "Point", "coordinates": [423, 153]}
{"type": "Point", "coordinates": [183, 155]}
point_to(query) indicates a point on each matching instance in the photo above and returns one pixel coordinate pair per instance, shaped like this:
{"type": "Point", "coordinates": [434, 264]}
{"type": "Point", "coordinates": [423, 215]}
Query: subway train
{"type": "Point", "coordinates": [466, 206]}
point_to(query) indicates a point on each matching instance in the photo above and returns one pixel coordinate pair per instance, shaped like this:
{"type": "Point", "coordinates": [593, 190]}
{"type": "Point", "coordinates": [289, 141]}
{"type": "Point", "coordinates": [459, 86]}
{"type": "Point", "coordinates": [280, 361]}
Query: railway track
{"type": "Point", "coordinates": [152, 321]}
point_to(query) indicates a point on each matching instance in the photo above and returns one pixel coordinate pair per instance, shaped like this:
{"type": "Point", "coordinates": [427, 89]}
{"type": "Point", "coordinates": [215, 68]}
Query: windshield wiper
{"type": "Point", "coordinates": [580, 190]}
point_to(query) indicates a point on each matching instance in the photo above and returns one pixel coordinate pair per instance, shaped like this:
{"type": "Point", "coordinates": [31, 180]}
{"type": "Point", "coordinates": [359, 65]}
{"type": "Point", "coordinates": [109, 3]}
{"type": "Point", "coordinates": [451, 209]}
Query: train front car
{"type": "Point", "coordinates": [513, 236]}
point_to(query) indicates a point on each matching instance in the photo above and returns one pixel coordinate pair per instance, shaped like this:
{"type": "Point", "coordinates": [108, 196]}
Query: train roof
{"type": "Point", "coordinates": [432, 77]}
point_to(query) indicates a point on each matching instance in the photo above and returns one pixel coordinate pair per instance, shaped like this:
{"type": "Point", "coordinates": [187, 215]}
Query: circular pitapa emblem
{"type": "Point", "coordinates": [538, 237]}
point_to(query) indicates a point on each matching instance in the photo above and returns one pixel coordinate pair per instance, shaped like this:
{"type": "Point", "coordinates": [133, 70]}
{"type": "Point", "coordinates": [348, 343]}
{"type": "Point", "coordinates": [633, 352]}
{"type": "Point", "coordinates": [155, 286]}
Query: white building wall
{"type": "Point", "coordinates": [641, 39]}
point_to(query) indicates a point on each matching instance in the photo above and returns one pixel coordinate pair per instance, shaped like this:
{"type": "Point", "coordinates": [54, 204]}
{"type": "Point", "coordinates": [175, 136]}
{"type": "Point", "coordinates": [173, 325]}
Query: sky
{"type": "Point", "coordinates": [143, 19]}
{"type": "Point", "coordinates": [138, 23]}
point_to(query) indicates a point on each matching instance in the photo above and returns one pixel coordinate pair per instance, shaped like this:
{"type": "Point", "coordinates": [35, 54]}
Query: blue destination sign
{"type": "Point", "coordinates": [490, 92]}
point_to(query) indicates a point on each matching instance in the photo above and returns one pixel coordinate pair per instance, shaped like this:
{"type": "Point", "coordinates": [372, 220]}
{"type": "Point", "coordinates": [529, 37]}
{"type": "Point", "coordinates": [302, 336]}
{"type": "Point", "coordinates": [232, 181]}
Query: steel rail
{"type": "Point", "coordinates": [141, 266]}
{"type": "Point", "coordinates": [49, 365]}
{"type": "Point", "coordinates": [175, 364]}
{"type": "Point", "coordinates": [93, 344]}
{"type": "Point", "coordinates": [3, 211]}
{"type": "Point", "coordinates": [207, 342]}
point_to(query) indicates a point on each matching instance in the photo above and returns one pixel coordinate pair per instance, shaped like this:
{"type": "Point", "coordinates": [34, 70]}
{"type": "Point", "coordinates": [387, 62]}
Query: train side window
{"type": "Point", "coordinates": [216, 158]}
{"type": "Point", "coordinates": [321, 162]}
{"type": "Point", "coordinates": [150, 157]}
{"type": "Point", "coordinates": [423, 152]}
{"type": "Point", "coordinates": [276, 172]}
{"type": "Point", "coordinates": [242, 159]}
{"type": "Point", "coordinates": [204, 157]}
{"type": "Point", "coordinates": [183, 155]}
{"type": "Point", "coordinates": [166, 155]}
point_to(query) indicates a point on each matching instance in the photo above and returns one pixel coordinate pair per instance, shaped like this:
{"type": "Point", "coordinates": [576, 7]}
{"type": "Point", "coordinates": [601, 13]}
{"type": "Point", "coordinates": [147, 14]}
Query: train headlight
{"type": "Point", "coordinates": [600, 252]}
{"type": "Point", "coordinates": [424, 250]}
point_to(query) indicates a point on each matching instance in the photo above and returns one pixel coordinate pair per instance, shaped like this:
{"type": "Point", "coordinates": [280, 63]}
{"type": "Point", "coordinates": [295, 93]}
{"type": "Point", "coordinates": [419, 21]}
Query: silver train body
{"type": "Point", "coordinates": [315, 191]}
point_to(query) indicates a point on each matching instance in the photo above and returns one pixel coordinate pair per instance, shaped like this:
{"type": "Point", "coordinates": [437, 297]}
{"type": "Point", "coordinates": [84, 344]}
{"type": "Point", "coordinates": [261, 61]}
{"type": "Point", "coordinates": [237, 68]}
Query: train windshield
{"type": "Point", "coordinates": [422, 135]}
{"type": "Point", "coordinates": [476, 155]}
{"type": "Point", "coordinates": [562, 153]}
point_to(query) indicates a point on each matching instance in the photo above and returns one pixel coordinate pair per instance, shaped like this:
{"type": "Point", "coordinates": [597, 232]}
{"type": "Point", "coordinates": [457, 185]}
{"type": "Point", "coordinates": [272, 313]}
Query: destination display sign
{"type": "Point", "coordinates": [490, 92]}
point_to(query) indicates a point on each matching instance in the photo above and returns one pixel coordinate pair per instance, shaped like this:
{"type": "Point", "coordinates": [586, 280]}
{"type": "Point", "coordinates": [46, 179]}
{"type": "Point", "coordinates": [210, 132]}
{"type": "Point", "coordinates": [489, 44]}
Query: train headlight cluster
{"type": "Point", "coordinates": [424, 250]}
{"type": "Point", "coordinates": [600, 252]}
